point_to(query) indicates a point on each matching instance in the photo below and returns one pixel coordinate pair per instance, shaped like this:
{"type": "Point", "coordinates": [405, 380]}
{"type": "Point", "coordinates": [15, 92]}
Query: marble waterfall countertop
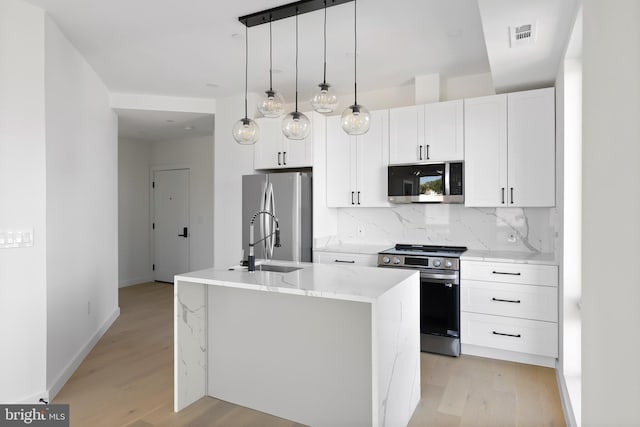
{"type": "Point", "coordinates": [340, 282]}
{"type": "Point", "coordinates": [509, 256]}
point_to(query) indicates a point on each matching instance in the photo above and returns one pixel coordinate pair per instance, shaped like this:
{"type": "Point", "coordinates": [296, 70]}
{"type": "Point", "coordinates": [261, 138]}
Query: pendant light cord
{"type": "Point", "coordinates": [324, 77]}
{"type": "Point", "coordinates": [355, 52]}
{"type": "Point", "coordinates": [246, 67]}
{"type": "Point", "coordinates": [296, 60]}
{"type": "Point", "coordinates": [270, 57]}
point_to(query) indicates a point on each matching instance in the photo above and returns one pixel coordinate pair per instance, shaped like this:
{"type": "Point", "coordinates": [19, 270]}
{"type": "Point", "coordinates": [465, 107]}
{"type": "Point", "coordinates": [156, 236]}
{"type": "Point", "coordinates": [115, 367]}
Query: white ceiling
{"type": "Point", "coordinates": [195, 48]}
{"type": "Point", "coordinates": [144, 125]}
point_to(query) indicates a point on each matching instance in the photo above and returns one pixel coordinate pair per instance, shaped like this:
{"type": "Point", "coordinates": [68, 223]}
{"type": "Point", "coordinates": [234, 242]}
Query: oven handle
{"type": "Point", "coordinates": [440, 279]}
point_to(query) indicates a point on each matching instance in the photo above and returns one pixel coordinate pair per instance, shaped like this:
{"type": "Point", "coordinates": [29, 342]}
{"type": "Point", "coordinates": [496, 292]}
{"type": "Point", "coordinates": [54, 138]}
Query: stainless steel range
{"type": "Point", "coordinates": [439, 268]}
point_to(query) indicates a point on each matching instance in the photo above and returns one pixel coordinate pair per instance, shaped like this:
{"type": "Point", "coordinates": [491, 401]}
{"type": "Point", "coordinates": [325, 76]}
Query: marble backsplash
{"type": "Point", "coordinates": [500, 229]}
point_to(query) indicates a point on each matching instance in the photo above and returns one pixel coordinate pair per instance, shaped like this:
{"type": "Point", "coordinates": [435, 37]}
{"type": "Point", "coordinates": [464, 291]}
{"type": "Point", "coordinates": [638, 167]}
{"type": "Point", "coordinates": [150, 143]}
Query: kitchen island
{"type": "Point", "coordinates": [324, 345]}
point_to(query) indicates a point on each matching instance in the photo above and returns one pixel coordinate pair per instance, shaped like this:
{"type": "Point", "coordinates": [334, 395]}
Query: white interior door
{"type": "Point", "coordinates": [171, 223]}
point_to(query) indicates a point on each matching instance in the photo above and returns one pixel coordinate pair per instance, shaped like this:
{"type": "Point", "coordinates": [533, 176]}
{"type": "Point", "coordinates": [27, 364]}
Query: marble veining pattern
{"type": "Point", "coordinates": [477, 228]}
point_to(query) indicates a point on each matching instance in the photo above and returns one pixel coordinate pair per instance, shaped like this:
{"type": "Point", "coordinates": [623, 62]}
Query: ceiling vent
{"type": "Point", "coordinates": [522, 34]}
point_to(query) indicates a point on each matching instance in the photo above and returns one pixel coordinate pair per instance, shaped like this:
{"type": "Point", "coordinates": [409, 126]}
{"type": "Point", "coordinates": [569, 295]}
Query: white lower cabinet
{"type": "Point", "coordinates": [346, 258]}
{"type": "Point", "coordinates": [508, 333]}
{"type": "Point", "coordinates": [509, 311]}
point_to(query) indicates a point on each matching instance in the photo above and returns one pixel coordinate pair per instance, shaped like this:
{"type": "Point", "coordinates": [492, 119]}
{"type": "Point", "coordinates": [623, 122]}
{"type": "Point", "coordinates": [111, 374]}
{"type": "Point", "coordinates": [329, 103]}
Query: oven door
{"type": "Point", "coordinates": [440, 303]}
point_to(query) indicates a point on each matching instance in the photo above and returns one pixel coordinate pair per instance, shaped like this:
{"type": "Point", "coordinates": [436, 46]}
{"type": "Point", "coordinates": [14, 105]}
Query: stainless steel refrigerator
{"type": "Point", "coordinates": [287, 196]}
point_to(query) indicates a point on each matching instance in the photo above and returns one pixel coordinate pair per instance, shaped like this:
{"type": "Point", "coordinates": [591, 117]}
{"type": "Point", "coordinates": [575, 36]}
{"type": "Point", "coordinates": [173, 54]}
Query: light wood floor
{"type": "Point", "coordinates": [127, 380]}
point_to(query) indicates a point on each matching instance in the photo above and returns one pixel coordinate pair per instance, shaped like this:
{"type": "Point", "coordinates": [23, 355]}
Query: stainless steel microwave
{"type": "Point", "coordinates": [426, 183]}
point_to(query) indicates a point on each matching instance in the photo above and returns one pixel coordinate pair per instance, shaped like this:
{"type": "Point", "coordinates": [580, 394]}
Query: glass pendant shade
{"type": "Point", "coordinates": [323, 101]}
{"type": "Point", "coordinates": [296, 126]}
{"type": "Point", "coordinates": [246, 131]}
{"type": "Point", "coordinates": [356, 120]}
{"type": "Point", "coordinates": [272, 104]}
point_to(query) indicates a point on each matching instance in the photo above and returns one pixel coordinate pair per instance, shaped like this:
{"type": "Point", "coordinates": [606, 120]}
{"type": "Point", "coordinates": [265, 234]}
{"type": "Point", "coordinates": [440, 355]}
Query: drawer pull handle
{"type": "Point", "coordinates": [515, 301]}
{"type": "Point", "coordinates": [506, 335]}
{"type": "Point", "coordinates": [503, 272]}
{"type": "Point", "coordinates": [346, 262]}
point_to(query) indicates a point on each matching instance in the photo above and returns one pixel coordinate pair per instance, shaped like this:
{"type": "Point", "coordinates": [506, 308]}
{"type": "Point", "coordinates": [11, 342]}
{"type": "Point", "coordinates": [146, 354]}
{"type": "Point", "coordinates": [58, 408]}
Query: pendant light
{"type": "Point", "coordinates": [246, 131]}
{"type": "Point", "coordinates": [355, 119]}
{"type": "Point", "coordinates": [323, 101]}
{"type": "Point", "coordinates": [296, 125]}
{"type": "Point", "coordinates": [272, 104]}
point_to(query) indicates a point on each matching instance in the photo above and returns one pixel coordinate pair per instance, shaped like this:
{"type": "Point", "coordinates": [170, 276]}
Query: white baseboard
{"type": "Point", "coordinates": [135, 281]}
{"type": "Point", "coordinates": [66, 373]}
{"type": "Point", "coordinates": [567, 408]}
{"type": "Point", "coordinates": [513, 356]}
{"type": "Point", "coordinates": [34, 399]}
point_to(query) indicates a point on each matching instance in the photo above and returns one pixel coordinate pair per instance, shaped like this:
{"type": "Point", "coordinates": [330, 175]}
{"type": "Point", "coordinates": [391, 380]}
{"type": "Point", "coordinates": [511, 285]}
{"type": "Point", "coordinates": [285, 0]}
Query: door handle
{"type": "Point", "coordinates": [358, 197]}
{"type": "Point", "coordinates": [284, 158]}
{"type": "Point", "coordinates": [503, 195]}
{"type": "Point", "coordinates": [427, 151]}
{"type": "Point", "coordinates": [185, 232]}
{"type": "Point", "coordinates": [420, 152]}
{"type": "Point", "coordinates": [279, 162]}
{"type": "Point", "coordinates": [352, 194]}
{"type": "Point", "coordinates": [343, 261]}
{"type": "Point", "coordinates": [511, 195]}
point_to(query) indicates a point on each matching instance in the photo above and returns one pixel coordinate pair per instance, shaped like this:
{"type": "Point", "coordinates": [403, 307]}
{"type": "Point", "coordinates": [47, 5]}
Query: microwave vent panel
{"type": "Point", "coordinates": [522, 34]}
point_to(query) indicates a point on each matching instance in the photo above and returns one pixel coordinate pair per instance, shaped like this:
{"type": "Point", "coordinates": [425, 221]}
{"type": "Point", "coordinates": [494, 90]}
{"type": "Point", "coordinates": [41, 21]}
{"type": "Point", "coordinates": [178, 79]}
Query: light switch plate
{"type": "Point", "coordinates": [16, 238]}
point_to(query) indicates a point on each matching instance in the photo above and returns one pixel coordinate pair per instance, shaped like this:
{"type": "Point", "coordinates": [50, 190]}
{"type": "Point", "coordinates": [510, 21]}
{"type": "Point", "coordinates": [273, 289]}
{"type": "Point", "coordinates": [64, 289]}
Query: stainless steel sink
{"type": "Point", "coordinates": [277, 268]}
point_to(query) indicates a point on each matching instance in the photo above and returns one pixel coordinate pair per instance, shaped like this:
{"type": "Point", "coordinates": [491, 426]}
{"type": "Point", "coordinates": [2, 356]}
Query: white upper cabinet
{"type": "Point", "coordinates": [444, 131]}
{"type": "Point", "coordinates": [357, 165]}
{"type": "Point", "coordinates": [426, 133]}
{"type": "Point", "coordinates": [531, 154]}
{"type": "Point", "coordinates": [274, 151]}
{"type": "Point", "coordinates": [510, 150]}
{"type": "Point", "coordinates": [485, 151]}
{"type": "Point", "coordinates": [406, 134]}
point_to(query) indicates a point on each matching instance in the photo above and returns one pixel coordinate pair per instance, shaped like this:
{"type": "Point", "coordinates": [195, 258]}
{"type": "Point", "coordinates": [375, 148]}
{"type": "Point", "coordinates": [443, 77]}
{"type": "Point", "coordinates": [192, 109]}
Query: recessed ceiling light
{"type": "Point", "coordinates": [189, 127]}
{"type": "Point", "coordinates": [236, 36]}
{"type": "Point", "coordinates": [212, 85]}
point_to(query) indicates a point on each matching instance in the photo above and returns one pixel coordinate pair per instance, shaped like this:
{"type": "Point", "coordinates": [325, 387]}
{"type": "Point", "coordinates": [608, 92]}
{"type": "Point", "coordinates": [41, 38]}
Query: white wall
{"type": "Point", "coordinates": [231, 161]}
{"type": "Point", "coordinates": [23, 311]}
{"type": "Point", "coordinates": [134, 257]}
{"type": "Point", "coordinates": [197, 155]}
{"type": "Point", "coordinates": [611, 227]}
{"type": "Point", "coordinates": [82, 207]}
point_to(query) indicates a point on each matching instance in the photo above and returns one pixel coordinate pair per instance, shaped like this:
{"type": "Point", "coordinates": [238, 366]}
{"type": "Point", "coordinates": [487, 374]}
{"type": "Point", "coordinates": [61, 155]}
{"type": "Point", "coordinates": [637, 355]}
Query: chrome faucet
{"type": "Point", "coordinates": [252, 259]}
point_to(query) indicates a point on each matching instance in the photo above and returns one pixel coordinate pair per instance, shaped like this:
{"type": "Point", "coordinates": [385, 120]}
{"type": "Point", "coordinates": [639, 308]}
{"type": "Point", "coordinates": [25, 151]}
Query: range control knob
{"type": "Point", "coordinates": [448, 264]}
{"type": "Point", "coordinates": [396, 260]}
{"type": "Point", "coordinates": [386, 260]}
{"type": "Point", "coordinates": [437, 263]}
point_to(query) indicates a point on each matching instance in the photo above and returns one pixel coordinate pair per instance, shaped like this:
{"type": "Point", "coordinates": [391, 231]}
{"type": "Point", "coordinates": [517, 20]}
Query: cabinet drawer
{"type": "Point", "coordinates": [531, 274]}
{"type": "Point", "coordinates": [504, 299]}
{"type": "Point", "coordinates": [345, 258]}
{"type": "Point", "coordinates": [507, 333]}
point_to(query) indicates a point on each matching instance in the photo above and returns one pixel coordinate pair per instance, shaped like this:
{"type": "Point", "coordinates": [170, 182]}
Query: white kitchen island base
{"type": "Point", "coordinates": [322, 346]}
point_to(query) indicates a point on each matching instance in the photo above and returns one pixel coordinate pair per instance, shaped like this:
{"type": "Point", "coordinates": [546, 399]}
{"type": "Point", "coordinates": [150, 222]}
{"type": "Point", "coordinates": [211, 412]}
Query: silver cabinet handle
{"type": "Point", "coordinates": [502, 195]}
{"type": "Point", "coordinates": [506, 335]}
{"type": "Point", "coordinates": [511, 195]}
{"type": "Point", "coordinates": [515, 301]}
{"type": "Point", "coordinates": [504, 272]}
{"type": "Point", "coordinates": [427, 151]}
{"type": "Point", "coordinates": [284, 158]}
{"type": "Point", "coordinates": [420, 152]}
{"type": "Point", "coordinates": [352, 194]}
{"type": "Point", "coordinates": [279, 162]}
{"type": "Point", "coordinates": [358, 197]}
{"type": "Point", "coordinates": [344, 262]}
